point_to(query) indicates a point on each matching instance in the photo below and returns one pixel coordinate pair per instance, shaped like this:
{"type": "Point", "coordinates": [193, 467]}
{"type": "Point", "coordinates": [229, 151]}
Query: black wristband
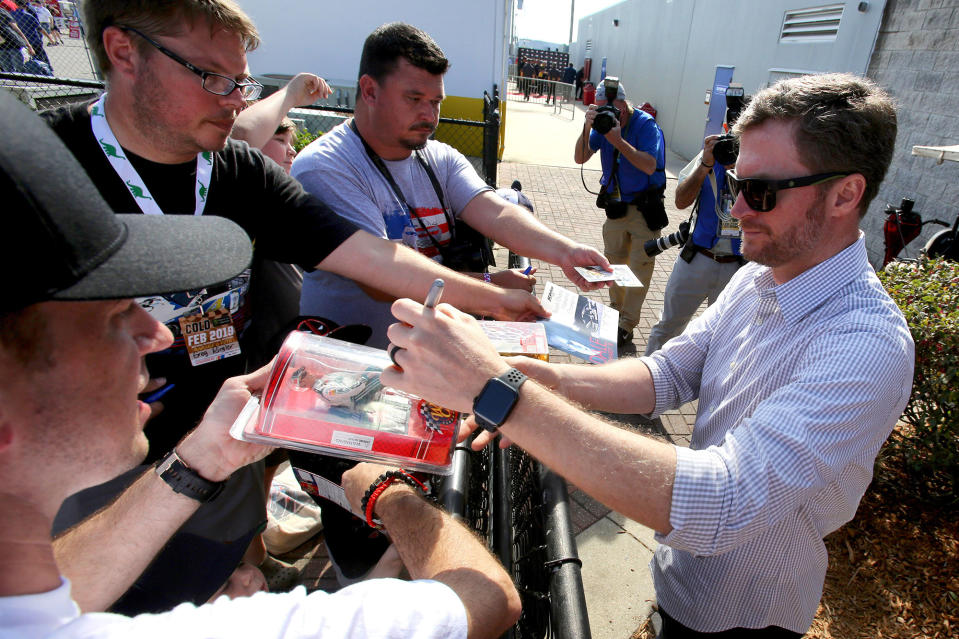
{"type": "Point", "coordinates": [186, 481]}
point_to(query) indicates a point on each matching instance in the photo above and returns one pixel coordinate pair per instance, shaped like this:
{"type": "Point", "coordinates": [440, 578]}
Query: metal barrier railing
{"type": "Point", "coordinates": [560, 95]}
{"type": "Point", "coordinates": [521, 508]}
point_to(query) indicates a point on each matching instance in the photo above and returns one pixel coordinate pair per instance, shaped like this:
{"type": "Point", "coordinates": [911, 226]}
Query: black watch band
{"type": "Point", "coordinates": [186, 481]}
{"type": "Point", "coordinates": [495, 402]}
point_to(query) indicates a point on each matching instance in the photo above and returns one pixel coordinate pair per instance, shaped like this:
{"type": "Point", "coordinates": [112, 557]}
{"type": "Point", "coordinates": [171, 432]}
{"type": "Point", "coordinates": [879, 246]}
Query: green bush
{"type": "Point", "coordinates": [928, 443]}
{"type": "Point", "coordinates": [304, 137]}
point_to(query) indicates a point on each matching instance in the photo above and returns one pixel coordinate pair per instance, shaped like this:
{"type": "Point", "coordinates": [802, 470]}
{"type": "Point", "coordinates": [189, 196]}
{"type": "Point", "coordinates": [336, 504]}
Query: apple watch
{"type": "Point", "coordinates": [186, 481]}
{"type": "Point", "coordinates": [496, 401]}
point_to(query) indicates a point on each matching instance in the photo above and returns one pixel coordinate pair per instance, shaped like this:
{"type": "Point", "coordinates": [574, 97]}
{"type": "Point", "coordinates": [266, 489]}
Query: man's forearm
{"type": "Point", "coordinates": [516, 229]}
{"type": "Point", "coordinates": [402, 272]}
{"type": "Point", "coordinates": [640, 159]}
{"type": "Point", "coordinates": [624, 386]}
{"type": "Point", "coordinates": [257, 123]}
{"type": "Point", "coordinates": [688, 190]}
{"type": "Point", "coordinates": [632, 474]}
{"type": "Point", "coordinates": [582, 152]}
{"type": "Point", "coordinates": [103, 555]}
{"type": "Point", "coordinates": [433, 546]}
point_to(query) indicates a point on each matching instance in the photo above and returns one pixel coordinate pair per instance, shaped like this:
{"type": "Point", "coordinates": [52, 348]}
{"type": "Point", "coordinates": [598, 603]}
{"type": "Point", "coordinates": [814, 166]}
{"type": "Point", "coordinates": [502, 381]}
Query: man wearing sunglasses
{"type": "Point", "coordinates": [801, 369]}
{"type": "Point", "coordinates": [157, 142]}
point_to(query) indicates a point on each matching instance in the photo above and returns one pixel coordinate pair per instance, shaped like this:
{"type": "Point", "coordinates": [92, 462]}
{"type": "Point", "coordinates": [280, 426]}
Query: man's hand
{"type": "Point", "coordinates": [583, 255]}
{"type": "Point", "coordinates": [209, 449]}
{"type": "Point", "coordinates": [514, 278]}
{"type": "Point", "coordinates": [517, 306]}
{"type": "Point", "coordinates": [615, 134]}
{"type": "Point", "coordinates": [306, 88]}
{"type": "Point", "coordinates": [708, 145]}
{"type": "Point", "coordinates": [589, 116]}
{"type": "Point", "coordinates": [447, 358]}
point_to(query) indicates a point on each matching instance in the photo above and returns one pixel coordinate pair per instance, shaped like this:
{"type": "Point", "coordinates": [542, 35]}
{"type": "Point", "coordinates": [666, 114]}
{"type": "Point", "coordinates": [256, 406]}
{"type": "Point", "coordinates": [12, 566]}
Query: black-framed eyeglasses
{"type": "Point", "coordinates": [760, 195]}
{"type": "Point", "coordinates": [212, 82]}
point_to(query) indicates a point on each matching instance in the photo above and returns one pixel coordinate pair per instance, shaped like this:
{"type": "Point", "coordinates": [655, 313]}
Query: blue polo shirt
{"type": "Point", "coordinates": [644, 134]}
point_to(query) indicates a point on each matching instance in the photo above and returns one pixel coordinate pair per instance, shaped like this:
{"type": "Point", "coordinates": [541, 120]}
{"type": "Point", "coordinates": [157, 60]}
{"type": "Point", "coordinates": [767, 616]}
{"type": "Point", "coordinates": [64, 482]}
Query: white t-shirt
{"type": "Point", "coordinates": [336, 169]}
{"type": "Point", "coordinates": [44, 17]}
{"type": "Point", "coordinates": [375, 609]}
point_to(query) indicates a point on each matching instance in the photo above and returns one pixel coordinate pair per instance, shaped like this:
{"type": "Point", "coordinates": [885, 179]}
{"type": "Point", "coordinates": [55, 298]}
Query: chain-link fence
{"type": "Point", "coordinates": [55, 46]}
{"type": "Point", "coordinates": [469, 137]}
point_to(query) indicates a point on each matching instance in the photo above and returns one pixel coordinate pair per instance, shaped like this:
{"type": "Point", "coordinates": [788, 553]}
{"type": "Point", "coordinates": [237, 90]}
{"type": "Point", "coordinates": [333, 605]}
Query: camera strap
{"type": "Point", "coordinates": [382, 168]}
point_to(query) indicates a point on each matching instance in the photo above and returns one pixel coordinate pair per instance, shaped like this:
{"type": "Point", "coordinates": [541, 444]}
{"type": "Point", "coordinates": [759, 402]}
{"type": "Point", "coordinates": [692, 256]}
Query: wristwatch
{"type": "Point", "coordinates": [186, 481]}
{"type": "Point", "coordinates": [496, 401]}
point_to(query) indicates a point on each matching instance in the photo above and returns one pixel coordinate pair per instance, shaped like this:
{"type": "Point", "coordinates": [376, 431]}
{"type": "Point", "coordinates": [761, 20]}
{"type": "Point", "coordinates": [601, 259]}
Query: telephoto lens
{"type": "Point", "coordinates": [660, 244]}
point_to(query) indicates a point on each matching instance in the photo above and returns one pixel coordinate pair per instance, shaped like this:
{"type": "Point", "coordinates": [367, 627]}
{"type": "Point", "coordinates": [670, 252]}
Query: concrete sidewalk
{"type": "Point", "coordinates": [615, 550]}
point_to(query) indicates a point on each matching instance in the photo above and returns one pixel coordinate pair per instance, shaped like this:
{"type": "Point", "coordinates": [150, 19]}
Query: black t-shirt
{"type": "Point", "coordinates": [284, 221]}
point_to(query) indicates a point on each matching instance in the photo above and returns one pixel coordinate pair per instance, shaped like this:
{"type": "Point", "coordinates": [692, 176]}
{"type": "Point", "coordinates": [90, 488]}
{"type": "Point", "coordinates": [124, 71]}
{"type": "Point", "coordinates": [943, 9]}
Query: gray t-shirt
{"type": "Point", "coordinates": [336, 169]}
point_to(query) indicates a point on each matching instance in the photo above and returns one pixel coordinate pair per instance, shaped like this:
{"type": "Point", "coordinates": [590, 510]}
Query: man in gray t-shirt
{"type": "Point", "coordinates": [375, 170]}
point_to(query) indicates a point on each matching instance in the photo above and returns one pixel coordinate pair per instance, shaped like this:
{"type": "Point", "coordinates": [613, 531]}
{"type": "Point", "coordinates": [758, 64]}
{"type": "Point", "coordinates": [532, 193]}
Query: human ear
{"type": "Point", "coordinates": [847, 194]}
{"type": "Point", "coordinates": [368, 88]}
{"type": "Point", "coordinates": [120, 49]}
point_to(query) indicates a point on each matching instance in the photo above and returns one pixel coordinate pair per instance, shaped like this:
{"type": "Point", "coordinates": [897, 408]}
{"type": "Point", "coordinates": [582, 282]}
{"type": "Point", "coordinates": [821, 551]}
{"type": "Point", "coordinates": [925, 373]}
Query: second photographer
{"type": "Point", "coordinates": [710, 255]}
{"type": "Point", "coordinates": [633, 155]}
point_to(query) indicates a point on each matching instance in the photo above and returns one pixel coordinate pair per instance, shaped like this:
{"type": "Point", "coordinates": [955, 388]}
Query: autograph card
{"type": "Point", "coordinates": [621, 275]}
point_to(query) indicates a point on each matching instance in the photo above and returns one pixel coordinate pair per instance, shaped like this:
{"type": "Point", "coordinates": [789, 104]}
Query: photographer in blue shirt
{"type": "Point", "coordinates": [633, 155]}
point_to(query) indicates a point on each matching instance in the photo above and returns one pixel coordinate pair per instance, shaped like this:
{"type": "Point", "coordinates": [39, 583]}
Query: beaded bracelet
{"type": "Point", "coordinates": [379, 485]}
{"type": "Point", "coordinates": [486, 278]}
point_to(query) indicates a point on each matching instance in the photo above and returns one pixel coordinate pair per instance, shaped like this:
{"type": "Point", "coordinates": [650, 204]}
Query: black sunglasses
{"type": "Point", "coordinates": [760, 195]}
{"type": "Point", "coordinates": [212, 82]}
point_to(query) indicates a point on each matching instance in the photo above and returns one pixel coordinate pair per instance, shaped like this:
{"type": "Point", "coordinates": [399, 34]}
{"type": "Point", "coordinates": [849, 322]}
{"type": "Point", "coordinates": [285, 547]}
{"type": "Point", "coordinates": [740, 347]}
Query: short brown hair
{"type": "Point", "coordinates": [286, 124]}
{"type": "Point", "coordinates": [162, 17]}
{"type": "Point", "coordinates": [843, 123]}
{"type": "Point", "coordinates": [390, 42]}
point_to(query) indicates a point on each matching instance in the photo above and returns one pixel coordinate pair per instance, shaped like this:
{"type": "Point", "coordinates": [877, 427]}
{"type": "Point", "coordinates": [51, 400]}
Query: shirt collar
{"type": "Point", "coordinates": [808, 290]}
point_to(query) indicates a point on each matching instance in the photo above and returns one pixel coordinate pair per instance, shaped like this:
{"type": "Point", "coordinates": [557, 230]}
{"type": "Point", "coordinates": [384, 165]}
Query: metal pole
{"type": "Point", "coordinates": [572, 14]}
{"type": "Point", "coordinates": [569, 618]}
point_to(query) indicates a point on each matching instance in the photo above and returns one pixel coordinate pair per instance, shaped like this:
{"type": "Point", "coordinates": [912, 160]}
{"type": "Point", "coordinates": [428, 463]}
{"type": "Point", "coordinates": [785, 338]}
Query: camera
{"type": "Point", "coordinates": [726, 149]}
{"type": "Point", "coordinates": [607, 115]}
{"type": "Point", "coordinates": [660, 244]}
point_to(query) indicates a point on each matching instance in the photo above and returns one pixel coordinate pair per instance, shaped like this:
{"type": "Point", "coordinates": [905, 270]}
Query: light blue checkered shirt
{"type": "Point", "coordinates": [798, 385]}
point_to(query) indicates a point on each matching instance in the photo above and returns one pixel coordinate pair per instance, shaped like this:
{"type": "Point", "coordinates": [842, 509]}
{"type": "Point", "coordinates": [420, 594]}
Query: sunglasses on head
{"type": "Point", "coordinates": [760, 195]}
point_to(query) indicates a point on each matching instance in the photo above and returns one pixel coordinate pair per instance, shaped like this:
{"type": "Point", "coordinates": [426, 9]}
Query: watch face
{"type": "Point", "coordinates": [495, 401]}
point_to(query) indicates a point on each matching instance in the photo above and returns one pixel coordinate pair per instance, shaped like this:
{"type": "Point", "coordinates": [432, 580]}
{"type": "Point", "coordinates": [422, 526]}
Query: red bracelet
{"type": "Point", "coordinates": [383, 482]}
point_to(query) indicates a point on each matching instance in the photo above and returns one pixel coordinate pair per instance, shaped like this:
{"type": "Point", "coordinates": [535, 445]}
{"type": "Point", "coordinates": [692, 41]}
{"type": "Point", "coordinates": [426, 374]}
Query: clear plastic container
{"type": "Point", "coordinates": [324, 396]}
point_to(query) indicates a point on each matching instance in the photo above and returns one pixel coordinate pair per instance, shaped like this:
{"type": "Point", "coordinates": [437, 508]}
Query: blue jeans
{"type": "Point", "coordinates": [11, 60]}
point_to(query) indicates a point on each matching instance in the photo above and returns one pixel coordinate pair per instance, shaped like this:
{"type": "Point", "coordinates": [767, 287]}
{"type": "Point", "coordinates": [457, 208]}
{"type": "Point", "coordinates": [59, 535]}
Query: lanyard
{"type": "Point", "coordinates": [381, 166]}
{"type": "Point", "coordinates": [138, 188]}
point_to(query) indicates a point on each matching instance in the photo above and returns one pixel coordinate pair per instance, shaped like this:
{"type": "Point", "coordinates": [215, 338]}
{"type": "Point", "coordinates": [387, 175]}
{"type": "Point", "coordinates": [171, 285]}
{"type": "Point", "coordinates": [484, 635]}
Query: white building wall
{"type": "Point", "coordinates": [326, 38]}
{"type": "Point", "coordinates": [666, 51]}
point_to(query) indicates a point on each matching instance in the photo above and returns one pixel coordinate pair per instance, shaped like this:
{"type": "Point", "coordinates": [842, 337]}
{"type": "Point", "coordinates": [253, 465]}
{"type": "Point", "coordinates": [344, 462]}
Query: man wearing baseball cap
{"type": "Point", "coordinates": [72, 349]}
{"type": "Point", "coordinates": [633, 155]}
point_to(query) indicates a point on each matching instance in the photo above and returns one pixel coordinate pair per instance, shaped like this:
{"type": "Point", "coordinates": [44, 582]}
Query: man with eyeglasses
{"type": "Point", "coordinates": [157, 142]}
{"type": "Point", "coordinates": [801, 369]}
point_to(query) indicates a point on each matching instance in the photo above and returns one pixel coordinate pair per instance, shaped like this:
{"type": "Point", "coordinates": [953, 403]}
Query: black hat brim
{"type": "Point", "coordinates": [166, 254]}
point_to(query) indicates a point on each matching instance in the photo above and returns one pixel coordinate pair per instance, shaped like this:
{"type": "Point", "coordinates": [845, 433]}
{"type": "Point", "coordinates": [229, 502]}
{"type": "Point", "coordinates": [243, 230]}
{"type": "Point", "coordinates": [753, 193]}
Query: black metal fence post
{"type": "Point", "coordinates": [491, 123]}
